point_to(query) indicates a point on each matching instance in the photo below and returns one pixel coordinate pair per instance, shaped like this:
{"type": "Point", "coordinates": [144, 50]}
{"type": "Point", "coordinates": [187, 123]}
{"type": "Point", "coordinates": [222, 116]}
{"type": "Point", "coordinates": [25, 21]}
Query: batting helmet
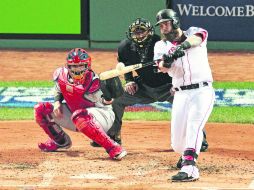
{"type": "Point", "coordinates": [140, 31]}
{"type": "Point", "coordinates": [78, 64]}
{"type": "Point", "coordinates": [167, 15]}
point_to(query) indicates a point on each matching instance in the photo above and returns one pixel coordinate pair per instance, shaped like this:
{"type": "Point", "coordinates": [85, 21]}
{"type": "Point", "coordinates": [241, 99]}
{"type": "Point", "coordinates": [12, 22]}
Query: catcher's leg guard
{"type": "Point", "coordinates": [58, 138]}
{"type": "Point", "coordinates": [92, 129]}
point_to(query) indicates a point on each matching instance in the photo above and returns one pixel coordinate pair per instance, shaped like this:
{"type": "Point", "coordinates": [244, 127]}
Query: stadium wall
{"type": "Point", "coordinates": [104, 23]}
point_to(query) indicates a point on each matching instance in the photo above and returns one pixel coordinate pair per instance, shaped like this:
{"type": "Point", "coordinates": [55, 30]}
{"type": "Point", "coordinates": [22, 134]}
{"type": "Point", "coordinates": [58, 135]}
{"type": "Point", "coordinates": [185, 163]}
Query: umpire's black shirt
{"type": "Point", "coordinates": [128, 54]}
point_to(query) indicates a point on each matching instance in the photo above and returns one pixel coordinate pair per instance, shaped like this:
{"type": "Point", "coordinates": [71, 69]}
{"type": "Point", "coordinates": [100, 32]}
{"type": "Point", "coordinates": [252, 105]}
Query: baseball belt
{"type": "Point", "coordinates": [191, 86]}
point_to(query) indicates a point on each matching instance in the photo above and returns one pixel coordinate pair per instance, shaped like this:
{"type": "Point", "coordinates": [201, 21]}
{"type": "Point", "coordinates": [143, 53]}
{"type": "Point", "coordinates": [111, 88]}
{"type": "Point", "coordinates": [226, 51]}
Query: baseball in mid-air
{"type": "Point", "coordinates": [120, 66]}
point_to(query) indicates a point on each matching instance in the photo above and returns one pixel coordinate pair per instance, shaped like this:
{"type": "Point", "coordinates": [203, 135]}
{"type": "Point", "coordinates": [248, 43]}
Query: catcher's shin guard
{"type": "Point", "coordinates": [85, 124]}
{"type": "Point", "coordinates": [58, 138]}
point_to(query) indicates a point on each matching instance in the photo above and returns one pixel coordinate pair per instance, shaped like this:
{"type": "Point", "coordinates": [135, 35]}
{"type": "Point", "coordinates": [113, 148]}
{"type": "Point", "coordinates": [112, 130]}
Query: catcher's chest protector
{"type": "Point", "coordinates": [74, 94]}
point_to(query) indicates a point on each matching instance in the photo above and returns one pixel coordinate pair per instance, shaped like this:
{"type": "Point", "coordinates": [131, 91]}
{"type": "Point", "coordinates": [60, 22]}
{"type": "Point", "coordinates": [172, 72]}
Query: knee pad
{"type": "Point", "coordinates": [41, 111]}
{"type": "Point", "coordinates": [81, 118]}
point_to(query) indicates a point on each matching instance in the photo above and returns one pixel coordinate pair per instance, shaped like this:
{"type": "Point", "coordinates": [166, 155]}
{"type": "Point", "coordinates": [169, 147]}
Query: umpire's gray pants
{"type": "Point", "coordinates": [144, 95]}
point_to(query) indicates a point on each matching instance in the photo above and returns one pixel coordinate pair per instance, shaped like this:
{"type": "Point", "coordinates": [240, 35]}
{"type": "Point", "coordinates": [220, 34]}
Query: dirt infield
{"type": "Point", "coordinates": [150, 162]}
{"type": "Point", "coordinates": [39, 65]}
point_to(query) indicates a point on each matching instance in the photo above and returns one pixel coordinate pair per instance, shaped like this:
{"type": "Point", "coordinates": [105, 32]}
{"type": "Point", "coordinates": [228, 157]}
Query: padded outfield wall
{"type": "Point", "coordinates": [101, 24]}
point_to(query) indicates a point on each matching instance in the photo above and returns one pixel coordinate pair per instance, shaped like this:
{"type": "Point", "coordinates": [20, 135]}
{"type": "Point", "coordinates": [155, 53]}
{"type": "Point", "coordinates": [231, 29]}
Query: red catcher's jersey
{"type": "Point", "coordinates": [74, 94]}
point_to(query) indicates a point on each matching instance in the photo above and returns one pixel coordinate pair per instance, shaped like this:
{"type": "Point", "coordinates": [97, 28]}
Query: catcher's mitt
{"type": "Point", "coordinates": [111, 88]}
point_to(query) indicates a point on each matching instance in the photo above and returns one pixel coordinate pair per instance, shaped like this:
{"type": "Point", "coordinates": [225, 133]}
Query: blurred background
{"type": "Point", "coordinates": [101, 24]}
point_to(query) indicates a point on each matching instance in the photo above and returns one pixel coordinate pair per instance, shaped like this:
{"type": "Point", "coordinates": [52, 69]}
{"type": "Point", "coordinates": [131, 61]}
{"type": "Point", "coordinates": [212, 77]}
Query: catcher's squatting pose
{"type": "Point", "coordinates": [79, 106]}
{"type": "Point", "coordinates": [183, 55]}
{"type": "Point", "coordinates": [149, 86]}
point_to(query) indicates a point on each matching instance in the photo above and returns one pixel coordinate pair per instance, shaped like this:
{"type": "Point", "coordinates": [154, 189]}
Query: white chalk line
{"type": "Point", "coordinates": [251, 186]}
{"type": "Point", "coordinates": [93, 176]}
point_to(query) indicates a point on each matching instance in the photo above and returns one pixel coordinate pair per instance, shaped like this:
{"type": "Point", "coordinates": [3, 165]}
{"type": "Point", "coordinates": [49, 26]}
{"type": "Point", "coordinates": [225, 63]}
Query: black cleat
{"type": "Point", "coordinates": [179, 163]}
{"type": "Point", "coordinates": [94, 144]}
{"type": "Point", "coordinates": [204, 146]}
{"type": "Point", "coordinates": [182, 177]}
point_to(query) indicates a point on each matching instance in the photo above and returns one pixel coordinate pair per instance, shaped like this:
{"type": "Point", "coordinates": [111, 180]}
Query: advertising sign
{"type": "Point", "coordinates": [225, 20]}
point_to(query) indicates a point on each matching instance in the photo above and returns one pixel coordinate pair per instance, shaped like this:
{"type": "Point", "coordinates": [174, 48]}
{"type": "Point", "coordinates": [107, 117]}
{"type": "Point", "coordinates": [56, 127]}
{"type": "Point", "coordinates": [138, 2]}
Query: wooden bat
{"type": "Point", "coordinates": [122, 70]}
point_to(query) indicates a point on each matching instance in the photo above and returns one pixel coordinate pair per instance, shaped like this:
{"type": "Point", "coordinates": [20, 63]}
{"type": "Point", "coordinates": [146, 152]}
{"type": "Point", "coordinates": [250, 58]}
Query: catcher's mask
{"type": "Point", "coordinates": [140, 31]}
{"type": "Point", "coordinates": [78, 64]}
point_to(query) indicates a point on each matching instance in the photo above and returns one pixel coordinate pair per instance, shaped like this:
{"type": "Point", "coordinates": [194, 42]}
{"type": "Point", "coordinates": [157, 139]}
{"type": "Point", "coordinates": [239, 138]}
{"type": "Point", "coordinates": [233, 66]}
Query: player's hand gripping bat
{"type": "Point", "coordinates": [122, 69]}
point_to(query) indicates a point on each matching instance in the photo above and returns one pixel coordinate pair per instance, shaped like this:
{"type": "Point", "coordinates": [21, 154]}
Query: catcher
{"type": "Point", "coordinates": [79, 106]}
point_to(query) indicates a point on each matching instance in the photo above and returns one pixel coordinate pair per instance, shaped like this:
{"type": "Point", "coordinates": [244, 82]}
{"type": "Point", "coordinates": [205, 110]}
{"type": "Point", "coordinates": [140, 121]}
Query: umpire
{"type": "Point", "coordinates": [148, 86]}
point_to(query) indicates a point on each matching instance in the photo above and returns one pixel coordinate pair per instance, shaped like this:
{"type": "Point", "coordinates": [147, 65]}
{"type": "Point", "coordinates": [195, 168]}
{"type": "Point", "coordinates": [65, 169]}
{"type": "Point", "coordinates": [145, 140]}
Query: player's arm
{"type": "Point", "coordinates": [196, 37]}
{"type": "Point", "coordinates": [58, 96]}
{"type": "Point", "coordinates": [192, 41]}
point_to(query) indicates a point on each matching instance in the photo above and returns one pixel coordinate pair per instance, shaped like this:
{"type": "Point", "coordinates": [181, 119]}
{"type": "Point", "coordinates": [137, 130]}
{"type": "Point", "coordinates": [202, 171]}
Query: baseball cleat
{"type": "Point", "coordinates": [117, 152]}
{"type": "Point", "coordinates": [52, 146]}
{"type": "Point", "coordinates": [121, 155]}
{"type": "Point", "coordinates": [179, 163]}
{"type": "Point", "coordinates": [183, 177]}
{"type": "Point", "coordinates": [204, 146]}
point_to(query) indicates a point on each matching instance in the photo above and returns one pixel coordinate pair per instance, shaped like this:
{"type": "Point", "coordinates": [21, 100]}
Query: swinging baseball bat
{"type": "Point", "coordinates": [121, 69]}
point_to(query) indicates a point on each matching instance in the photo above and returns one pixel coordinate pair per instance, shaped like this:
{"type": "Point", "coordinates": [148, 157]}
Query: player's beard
{"type": "Point", "coordinates": [172, 36]}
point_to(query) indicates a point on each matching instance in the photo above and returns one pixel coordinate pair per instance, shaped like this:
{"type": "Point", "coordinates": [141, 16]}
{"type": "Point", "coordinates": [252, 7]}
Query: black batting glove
{"type": "Point", "coordinates": [168, 60]}
{"type": "Point", "coordinates": [179, 52]}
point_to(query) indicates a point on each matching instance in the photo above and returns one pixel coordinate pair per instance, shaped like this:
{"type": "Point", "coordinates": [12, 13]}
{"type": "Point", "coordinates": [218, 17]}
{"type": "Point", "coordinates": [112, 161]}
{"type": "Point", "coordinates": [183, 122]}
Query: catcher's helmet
{"type": "Point", "coordinates": [140, 31]}
{"type": "Point", "coordinates": [167, 15]}
{"type": "Point", "coordinates": [78, 64]}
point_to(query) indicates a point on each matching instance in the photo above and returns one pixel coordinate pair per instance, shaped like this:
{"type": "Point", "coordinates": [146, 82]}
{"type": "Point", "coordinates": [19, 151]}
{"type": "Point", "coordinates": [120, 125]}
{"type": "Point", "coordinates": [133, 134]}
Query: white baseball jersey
{"type": "Point", "coordinates": [191, 68]}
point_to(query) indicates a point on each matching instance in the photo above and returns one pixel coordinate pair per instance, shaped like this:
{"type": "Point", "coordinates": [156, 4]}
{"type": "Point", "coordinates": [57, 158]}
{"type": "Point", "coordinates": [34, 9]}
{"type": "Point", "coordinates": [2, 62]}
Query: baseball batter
{"type": "Point", "coordinates": [183, 55]}
{"type": "Point", "coordinates": [79, 106]}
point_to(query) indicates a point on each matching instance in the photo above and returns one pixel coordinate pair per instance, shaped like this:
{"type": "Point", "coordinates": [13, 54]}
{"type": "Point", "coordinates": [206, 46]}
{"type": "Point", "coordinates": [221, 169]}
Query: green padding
{"type": "Point", "coordinates": [40, 16]}
{"type": "Point", "coordinates": [43, 44]}
{"type": "Point", "coordinates": [63, 44]}
{"type": "Point", "coordinates": [109, 19]}
{"type": "Point", "coordinates": [238, 46]}
{"type": "Point", "coordinates": [101, 45]}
